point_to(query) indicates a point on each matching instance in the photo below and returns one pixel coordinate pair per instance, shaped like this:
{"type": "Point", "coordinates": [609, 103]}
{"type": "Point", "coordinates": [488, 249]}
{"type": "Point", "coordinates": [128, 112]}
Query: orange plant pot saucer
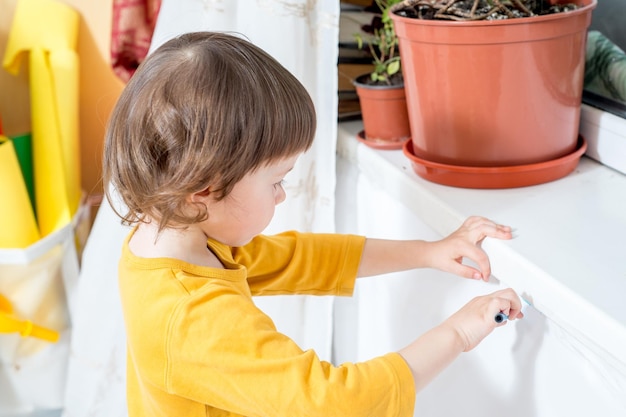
{"type": "Point", "coordinates": [496, 177]}
{"type": "Point", "coordinates": [381, 144]}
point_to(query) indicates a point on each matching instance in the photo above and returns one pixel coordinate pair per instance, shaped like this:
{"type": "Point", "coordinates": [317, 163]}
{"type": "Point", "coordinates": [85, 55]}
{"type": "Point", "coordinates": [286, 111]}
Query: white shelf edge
{"type": "Point", "coordinates": [606, 137]}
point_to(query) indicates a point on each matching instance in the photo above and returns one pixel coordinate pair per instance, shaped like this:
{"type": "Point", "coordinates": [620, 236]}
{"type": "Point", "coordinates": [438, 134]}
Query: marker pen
{"type": "Point", "coordinates": [500, 317]}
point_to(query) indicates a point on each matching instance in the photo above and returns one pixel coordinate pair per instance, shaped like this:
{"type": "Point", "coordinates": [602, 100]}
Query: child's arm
{"type": "Point", "coordinates": [383, 256]}
{"type": "Point", "coordinates": [434, 350]}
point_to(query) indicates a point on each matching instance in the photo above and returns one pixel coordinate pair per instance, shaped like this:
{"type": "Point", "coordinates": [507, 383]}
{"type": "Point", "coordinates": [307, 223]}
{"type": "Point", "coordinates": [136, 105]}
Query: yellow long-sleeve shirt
{"type": "Point", "coordinates": [198, 345]}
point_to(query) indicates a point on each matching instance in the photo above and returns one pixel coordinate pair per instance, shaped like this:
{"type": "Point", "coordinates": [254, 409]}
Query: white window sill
{"type": "Point", "coordinates": [568, 253]}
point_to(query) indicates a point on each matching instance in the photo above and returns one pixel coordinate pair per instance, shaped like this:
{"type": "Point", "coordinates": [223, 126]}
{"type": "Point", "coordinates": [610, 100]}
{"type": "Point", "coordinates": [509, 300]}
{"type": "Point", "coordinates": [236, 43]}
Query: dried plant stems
{"type": "Point", "coordinates": [452, 10]}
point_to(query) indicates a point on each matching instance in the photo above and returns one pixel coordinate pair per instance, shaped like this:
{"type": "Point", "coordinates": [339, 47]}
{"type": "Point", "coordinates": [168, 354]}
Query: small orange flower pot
{"type": "Point", "coordinates": [384, 113]}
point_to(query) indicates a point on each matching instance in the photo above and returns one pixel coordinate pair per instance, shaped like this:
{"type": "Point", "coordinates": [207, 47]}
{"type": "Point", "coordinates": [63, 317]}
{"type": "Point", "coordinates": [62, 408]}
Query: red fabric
{"type": "Point", "coordinates": [131, 34]}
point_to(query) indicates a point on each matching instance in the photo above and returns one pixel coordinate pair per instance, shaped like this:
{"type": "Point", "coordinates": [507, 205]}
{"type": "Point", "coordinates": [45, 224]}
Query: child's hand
{"type": "Point", "coordinates": [430, 353]}
{"type": "Point", "coordinates": [474, 321]}
{"type": "Point", "coordinates": [465, 243]}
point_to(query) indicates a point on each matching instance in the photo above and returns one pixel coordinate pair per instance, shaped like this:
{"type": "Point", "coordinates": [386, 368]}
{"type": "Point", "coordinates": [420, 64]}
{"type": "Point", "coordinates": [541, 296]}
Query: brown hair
{"type": "Point", "coordinates": [204, 109]}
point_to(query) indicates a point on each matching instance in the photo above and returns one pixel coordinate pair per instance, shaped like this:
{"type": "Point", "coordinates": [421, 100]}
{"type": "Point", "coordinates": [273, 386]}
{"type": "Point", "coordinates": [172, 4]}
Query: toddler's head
{"type": "Point", "coordinates": [201, 111]}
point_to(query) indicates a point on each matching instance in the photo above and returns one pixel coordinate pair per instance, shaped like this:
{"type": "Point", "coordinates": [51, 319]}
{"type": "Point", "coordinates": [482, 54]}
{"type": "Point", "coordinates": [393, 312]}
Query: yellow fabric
{"type": "Point", "coordinates": [17, 220]}
{"type": "Point", "coordinates": [47, 31]}
{"type": "Point", "coordinates": [198, 345]}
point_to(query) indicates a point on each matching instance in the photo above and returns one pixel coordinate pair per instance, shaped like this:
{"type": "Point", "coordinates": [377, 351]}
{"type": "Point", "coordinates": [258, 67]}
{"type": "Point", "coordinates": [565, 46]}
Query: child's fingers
{"type": "Point", "coordinates": [482, 227]}
{"type": "Point", "coordinates": [509, 303]}
{"type": "Point", "coordinates": [493, 230]}
{"type": "Point", "coordinates": [466, 271]}
{"type": "Point", "coordinates": [483, 270]}
{"type": "Point", "coordinates": [480, 258]}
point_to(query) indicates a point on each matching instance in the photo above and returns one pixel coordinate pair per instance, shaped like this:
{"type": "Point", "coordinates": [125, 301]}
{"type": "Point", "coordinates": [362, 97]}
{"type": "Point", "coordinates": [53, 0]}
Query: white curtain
{"type": "Point", "coordinates": [303, 36]}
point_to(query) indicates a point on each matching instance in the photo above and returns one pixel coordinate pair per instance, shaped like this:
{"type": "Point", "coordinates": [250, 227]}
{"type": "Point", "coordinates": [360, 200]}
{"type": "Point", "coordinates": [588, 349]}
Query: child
{"type": "Point", "coordinates": [197, 147]}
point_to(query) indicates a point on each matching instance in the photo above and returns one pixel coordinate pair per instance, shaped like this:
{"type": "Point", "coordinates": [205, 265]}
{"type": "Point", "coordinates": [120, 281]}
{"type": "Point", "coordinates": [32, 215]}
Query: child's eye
{"type": "Point", "coordinates": [280, 183]}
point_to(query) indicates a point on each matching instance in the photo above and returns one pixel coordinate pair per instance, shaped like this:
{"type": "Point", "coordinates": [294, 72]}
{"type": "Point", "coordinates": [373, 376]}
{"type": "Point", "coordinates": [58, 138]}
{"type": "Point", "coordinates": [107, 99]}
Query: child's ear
{"type": "Point", "coordinates": [199, 195]}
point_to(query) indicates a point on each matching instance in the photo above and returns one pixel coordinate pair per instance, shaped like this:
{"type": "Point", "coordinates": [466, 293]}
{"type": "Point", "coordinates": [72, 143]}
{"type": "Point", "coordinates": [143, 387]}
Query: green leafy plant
{"type": "Point", "coordinates": [383, 47]}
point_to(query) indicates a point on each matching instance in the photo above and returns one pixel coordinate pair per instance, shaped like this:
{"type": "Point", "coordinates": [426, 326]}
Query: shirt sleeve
{"type": "Point", "coordinates": [302, 263]}
{"type": "Point", "coordinates": [228, 354]}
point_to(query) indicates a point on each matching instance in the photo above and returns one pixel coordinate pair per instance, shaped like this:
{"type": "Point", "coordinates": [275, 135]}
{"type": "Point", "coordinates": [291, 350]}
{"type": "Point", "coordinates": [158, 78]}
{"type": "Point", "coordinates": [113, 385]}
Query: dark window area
{"type": "Point", "coordinates": [605, 71]}
{"type": "Point", "coordinates": [609, 17]}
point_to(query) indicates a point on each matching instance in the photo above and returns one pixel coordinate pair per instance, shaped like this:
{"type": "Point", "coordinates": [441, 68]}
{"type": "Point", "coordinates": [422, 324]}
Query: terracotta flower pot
{"type": "Point", "coordinates": [494, 93]}
{"type": "Point", "coordinates": [384, 113]}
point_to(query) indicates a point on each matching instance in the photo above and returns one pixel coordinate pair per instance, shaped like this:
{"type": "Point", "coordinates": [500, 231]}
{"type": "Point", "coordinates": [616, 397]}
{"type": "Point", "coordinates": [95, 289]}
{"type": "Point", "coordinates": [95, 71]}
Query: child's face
{"type": "Point", "coordinates": [249, 208]}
